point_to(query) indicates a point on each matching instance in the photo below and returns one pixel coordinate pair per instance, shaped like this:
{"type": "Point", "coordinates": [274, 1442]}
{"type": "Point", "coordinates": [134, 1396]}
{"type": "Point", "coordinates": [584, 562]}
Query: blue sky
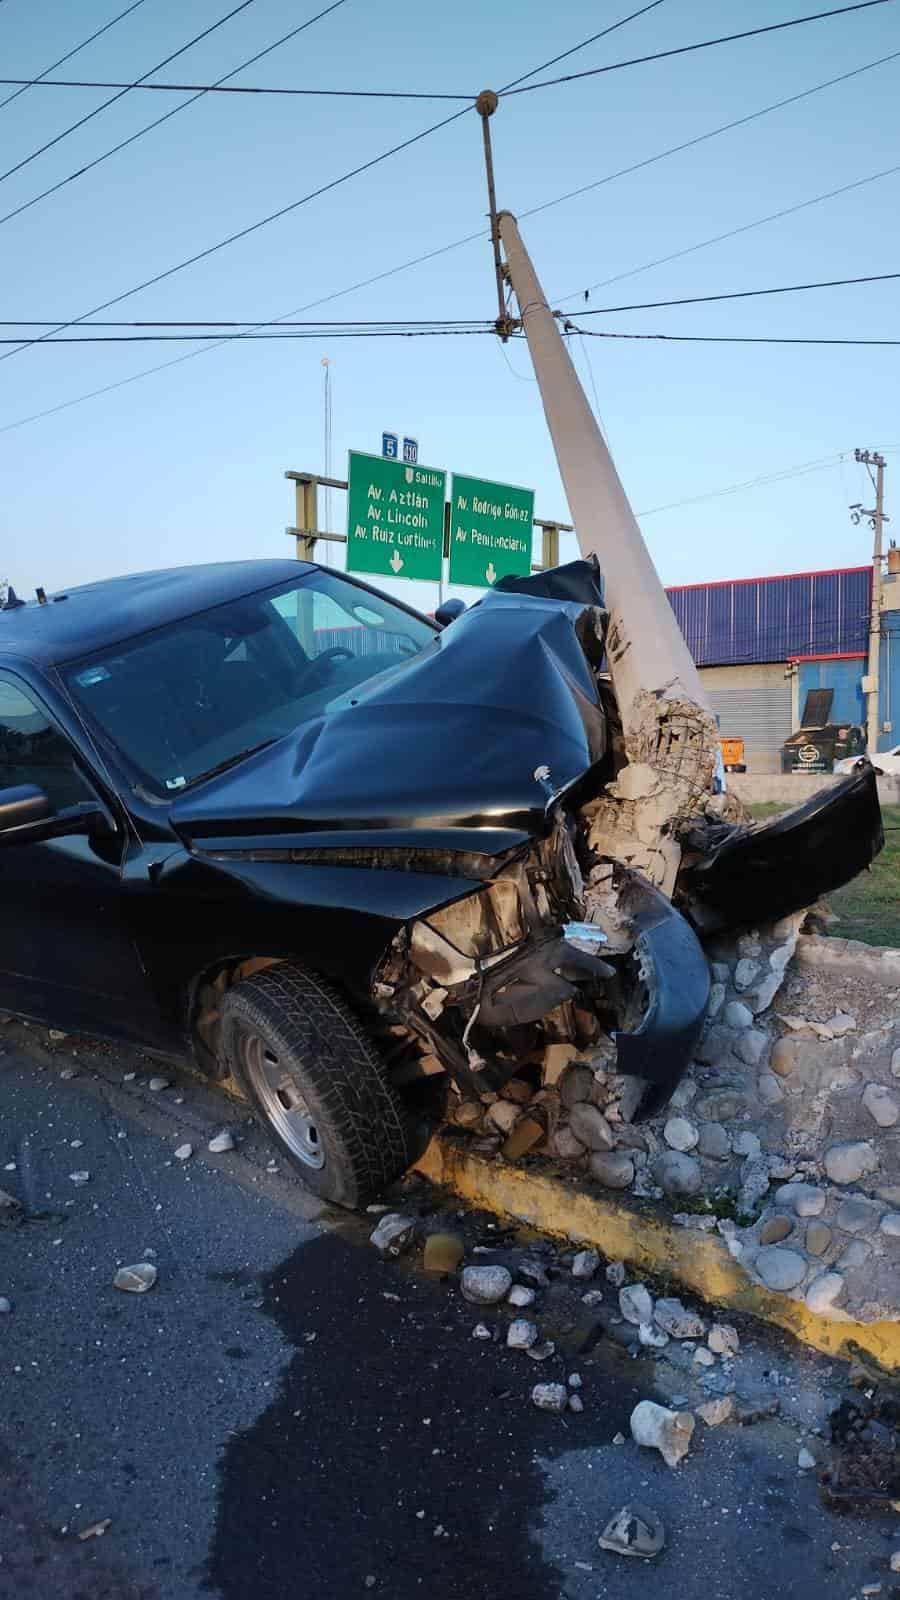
{"type": "Point", "coordinates": [187, 465]}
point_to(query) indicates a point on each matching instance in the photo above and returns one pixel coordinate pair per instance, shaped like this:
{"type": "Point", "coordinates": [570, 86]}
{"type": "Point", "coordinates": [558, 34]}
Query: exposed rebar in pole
{"type": "Point", "coordinates": [669, 733]}
{"type": "Point", "coordinates": [486, 105]}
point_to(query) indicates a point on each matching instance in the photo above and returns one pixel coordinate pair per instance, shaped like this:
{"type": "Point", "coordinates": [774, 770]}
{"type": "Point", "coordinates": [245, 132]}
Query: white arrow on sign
{"type": "Point", "coordinates": [491, 572]}
{"type": "Point", "coordinates": [396, 561]}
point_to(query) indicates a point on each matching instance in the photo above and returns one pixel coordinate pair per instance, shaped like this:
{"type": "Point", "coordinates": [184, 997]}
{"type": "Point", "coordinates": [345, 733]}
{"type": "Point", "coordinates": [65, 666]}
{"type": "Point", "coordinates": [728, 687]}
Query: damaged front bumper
{"type": "Point", "coordinates": [490, 981]}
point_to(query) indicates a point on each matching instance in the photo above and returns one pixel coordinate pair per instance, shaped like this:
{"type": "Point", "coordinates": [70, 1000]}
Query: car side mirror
{"type": "Point", "coordinates": [448, 611]}
{"type": "Point", "coordinates": [27, 817]}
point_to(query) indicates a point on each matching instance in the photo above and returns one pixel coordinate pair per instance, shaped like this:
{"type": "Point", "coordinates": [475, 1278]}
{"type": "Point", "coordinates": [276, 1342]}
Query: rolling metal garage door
{"type": "Point", "coordinates": [752, 703]}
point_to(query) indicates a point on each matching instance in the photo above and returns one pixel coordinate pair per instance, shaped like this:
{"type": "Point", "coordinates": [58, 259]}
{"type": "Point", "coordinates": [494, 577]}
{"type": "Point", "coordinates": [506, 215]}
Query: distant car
{"type": "Point", "coordinates": [884, 761]}
{"type": "Point", "coordinates": [261, 815]}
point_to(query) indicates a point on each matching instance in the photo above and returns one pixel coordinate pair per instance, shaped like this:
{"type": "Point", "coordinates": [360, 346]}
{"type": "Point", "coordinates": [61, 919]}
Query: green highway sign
{"type": "Point", "coordinates": [490, 530]}
{"type": "Point", "coordinates": [395, 517]}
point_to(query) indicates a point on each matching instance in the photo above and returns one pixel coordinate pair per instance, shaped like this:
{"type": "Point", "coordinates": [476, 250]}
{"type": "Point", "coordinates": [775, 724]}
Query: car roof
{"type": "Point", "coordinates": [76, 622]}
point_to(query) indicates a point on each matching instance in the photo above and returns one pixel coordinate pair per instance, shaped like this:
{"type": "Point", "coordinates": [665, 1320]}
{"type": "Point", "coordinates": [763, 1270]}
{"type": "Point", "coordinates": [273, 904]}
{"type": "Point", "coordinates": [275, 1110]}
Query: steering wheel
{"type": "Point", "coordinates": [334, 654]}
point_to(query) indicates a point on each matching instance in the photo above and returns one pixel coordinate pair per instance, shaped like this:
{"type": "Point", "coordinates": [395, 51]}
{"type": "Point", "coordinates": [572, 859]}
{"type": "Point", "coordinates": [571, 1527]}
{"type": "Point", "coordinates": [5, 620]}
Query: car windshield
{"type": "Point", "coordinates": [186, 700]}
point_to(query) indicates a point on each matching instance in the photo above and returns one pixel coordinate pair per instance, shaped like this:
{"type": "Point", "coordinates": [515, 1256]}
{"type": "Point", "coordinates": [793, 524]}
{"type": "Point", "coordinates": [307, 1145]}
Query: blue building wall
{"type": "Point", "coordinates": [773, 619]}
{"type": "Point", "coordinates": [845, 678]}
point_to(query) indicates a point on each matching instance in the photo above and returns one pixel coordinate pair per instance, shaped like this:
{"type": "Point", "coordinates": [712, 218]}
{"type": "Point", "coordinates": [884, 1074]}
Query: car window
{"type": "Point", "coordinates": [32, 750]}
{"type": "Point", "coordinates": [184, 701]}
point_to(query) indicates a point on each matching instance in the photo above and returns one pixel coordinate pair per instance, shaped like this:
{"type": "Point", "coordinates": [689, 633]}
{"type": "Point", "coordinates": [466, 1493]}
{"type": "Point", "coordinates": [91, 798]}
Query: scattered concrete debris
{"type": "Point", "coordinates": [184, 1152]}
{"type": "Point", "coordinates": [95, 1530]}
{"type": "Point", "coordinates": [443, 1253]}
{"type": "Point", "coordinates": [394, 1234]}
{"type": "Point", "coordinates": [677, 1321]}
{"type": "Point", "coordinates": [533, 1273]}
{"type": "Point", "coordinates": [723, 1339]}
{"type": "Point", "coordinates": [79, 1178]}
{"type": "Point", "coordinates": [5, 1305]}
{"type": "Point", "coordinates": [715, 1412]}
{"type": "Point", "coordinates": [575, 1402]}
{"type": "Point", "coordinates": [585, 1264]}
{"type": "Point", "coordinates": [481, 1331]}
{"type": "Point", "coordinates": [485, 1286]}
{"type": "Point", "coordinates": [550, 1397]}
{"type": "Point", "coordinates": [633, 1531]}
{"type": "Point", "coordinates": [653, 1338]}
{"type": "Point", "coordinates": [615, 1274]}
{"type": "Point", "coordinates": [657, 1428]}
{"type": "Point", "coordinates": [156, 1085]}
{"type": "Point", "coordinates": [895, 1561]}
{"type": "Point", "coordinates": [136, 1279]}
{"type": "Point", "coordinates": [574, 1380]}
{"type": "Point", "coordinates": [635, 1304]}
{"type": "Point", "coordinates": [806, 1461]}
{"type": "Point", "coordinates": [521, 1335]}
{"type": "Point", "coordinates": [56, 1036]}
{"type": "Point", "coordinates": [594, 1297]}
{"type": "Point", "coordinates": [221, 1143]}
{"type": "Point", "coordinates": [521, 1296]}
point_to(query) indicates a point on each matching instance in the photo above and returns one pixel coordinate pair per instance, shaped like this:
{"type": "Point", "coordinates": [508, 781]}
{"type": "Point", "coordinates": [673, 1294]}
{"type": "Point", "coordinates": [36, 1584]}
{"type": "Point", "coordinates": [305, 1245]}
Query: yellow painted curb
{"type": "Point", "coordinates": [644, 1238]}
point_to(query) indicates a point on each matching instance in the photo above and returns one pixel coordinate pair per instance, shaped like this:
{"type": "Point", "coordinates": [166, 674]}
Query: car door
{"type": "Point", "coordinates": [66, 957]}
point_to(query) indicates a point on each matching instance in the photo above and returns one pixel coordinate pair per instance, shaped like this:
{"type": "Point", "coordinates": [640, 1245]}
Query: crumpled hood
{"type": "Point", "coordinates": [440, 751]}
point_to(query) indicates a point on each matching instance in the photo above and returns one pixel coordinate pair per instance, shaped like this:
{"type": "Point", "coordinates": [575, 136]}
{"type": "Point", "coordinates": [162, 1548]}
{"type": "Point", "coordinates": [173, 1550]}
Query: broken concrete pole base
{"type": "Point", "coordinates": [657, 1428]}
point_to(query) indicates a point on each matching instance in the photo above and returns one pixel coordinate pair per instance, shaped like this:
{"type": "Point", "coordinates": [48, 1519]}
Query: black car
{"type": "Point", "coordinates": [262, 816]}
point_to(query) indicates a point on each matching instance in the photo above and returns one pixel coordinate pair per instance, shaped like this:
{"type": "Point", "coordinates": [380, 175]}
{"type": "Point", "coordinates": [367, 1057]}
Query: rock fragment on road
{"type": "Point", "coordinates": [550, 1397]}
{"type": "Point", "coordinates": [222, 1142]}
{"type": "Point", "coordinates": [585, 1264]}
{"type": "Point", "coordinates": [485, 1286]}
{"type": "Point", "coordinates": [657, 1428]}
{"type": "Point", "coordinates": [136, 1279]}
{"type": "Point", "coordinates": [633, 1531]}
{"type": "Point", "coordinates": [394, 1234]}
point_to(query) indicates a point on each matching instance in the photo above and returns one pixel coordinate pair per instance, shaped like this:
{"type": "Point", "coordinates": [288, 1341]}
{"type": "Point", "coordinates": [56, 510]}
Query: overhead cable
{"type": "Point", "coordinates": [702, 44]}
{"type": "Point", "coordinates": [314, 194]}
{"type": "Point", "coordinates": [434, 94]}
{"type": "Point", "coordinates": [148, 127]}
{"type": "Point", "coordinates": [355, 322]}
{"type": "Point", "coordinates": [28, 83]}
{"type": "Point", "coordinates": [113, 98]}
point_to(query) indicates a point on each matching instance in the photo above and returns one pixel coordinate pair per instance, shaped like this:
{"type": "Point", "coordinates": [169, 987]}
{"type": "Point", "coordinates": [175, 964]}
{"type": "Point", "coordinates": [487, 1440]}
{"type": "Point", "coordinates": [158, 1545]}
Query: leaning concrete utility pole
{"type": "Point", "coordinates": [877, 519]}
{"type": "Point", "coordinates": [669, 734]}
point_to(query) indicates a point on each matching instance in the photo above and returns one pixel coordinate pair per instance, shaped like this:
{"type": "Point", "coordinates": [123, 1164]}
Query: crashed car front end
{"type": "Point", "coordinates": [558, 872]}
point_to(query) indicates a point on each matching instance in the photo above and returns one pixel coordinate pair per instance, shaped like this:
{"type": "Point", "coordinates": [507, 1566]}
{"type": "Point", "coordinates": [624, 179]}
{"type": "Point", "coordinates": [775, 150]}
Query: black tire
{"type": "Point", "coordinates": [333, 1112]}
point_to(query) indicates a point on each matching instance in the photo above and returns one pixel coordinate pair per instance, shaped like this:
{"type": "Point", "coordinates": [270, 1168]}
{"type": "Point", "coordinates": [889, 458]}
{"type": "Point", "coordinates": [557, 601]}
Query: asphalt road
{"type": "Point", "coordinates": [285, 1415]}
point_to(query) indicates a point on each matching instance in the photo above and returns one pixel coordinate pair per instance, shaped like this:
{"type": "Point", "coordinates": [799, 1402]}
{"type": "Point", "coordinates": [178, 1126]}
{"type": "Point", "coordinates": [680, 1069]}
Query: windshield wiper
{"type": "Point", "coordinates": [230, 761]}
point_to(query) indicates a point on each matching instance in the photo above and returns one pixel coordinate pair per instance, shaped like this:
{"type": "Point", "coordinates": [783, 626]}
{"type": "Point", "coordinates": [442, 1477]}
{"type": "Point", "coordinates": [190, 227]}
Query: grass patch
{"type": "Point", "coordinates": [869, 906]}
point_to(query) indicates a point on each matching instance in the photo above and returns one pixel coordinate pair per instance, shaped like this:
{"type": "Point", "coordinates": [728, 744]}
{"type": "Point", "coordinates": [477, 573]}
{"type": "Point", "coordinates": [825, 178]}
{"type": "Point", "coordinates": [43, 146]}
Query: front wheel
{"type": "Point", "coordinates": [316, 1083]}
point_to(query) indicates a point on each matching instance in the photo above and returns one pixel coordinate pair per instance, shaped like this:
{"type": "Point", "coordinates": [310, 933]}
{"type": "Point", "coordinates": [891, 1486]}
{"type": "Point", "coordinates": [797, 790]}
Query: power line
{"type": "Point", "coordinates": [167, 115]}
{"type": "Point", "coordinates": [430, 94]}
{"type": "Point", "coordinates": [27, 83]}
{"type": "Point", "coordinates": [244, 233]}
{"type": "Point", "coordinates": [741, 294]}
{"type": "Point", "coordinates": [314, 194]}
{"type": "Point", "coordinates": [478, 235]}
{"type": "Point", "coordinates": [719, 338]}
{"type": "Point", "coordinates": [600, 311]}
{"type": "Point", "coordinates": [238, 88]}
{"type": "Point", "coordinates": [273, 333]}
{"type": "Point", "coordinates": [823, 464]}
{"type": "Point", "coordinates": [113, 98]}
{"type": "Point", "coordinates": [732, 233]}
{"type": "Point", "coordinates": [703, 44]}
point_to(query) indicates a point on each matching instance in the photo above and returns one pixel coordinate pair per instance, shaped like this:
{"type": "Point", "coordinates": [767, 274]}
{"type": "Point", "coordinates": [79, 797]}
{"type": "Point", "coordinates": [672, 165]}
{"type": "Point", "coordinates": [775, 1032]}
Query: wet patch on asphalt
{"type": "Point", "coordinates": [349, 1473]}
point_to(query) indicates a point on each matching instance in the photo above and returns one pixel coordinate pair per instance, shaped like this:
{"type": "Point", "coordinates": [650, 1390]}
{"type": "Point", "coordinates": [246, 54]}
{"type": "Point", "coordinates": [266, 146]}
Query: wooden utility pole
{"type": "Point", "coordinates": [877, 519]}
